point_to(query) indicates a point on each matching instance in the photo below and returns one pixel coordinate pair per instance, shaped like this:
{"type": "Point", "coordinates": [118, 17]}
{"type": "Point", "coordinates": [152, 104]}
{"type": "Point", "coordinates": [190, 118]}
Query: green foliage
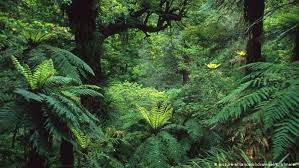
{"type": "Point", "coordinates": [66, 57]}
{"type": "Point", "coordinates": [211, 159]}
{"type": "Point", "coordinates": [283, 23]}
{"type": "Point", "coordinates": [32, 32]}
{"type": "Point", "coordinates": [161, 89]}
{"type": "Point", "coordinates": [127, 97]}
{"type": "Point", "coordinates": [36, 79]}
{"type": "Point", "coordinates": [158, 115]}
{"type": "Point", "coordinates": [161, 150]}
{"type": "Point", "coordinates": [82, 140]}
{"type": "Point", "coordinates": [66, 63]}
{"type": "Point", "coordinates": [269, 95]}
{"type": "Point", "coordinates": [59, 98]}
{"type": "Point", "coordinates": [217, 158]}
{"type": "Point", "coordinates": [8, 117]}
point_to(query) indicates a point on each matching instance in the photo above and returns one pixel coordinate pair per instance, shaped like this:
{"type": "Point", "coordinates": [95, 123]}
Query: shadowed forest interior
{"type": "Point", "coordinates": [149, 83]}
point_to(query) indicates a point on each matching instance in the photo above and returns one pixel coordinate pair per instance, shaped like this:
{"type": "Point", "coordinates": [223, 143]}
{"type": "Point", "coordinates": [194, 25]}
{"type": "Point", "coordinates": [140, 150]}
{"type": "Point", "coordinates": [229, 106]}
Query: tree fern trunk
{"type": "Point", "coordinates": [35, 158]}
{"type": "Point", "coordinates": [253, 15]}
{"type": "Point", "coordinates": [66, 149]}
{"type": "Point", "coordinates": [66, 154]}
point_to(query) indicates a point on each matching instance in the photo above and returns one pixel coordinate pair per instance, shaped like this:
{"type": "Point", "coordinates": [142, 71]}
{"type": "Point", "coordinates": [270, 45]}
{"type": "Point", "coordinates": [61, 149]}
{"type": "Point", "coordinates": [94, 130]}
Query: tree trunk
{"type": "Point", "coordinates": [253, 15]}
{"type": "Point", "coordinates": [82, 17]}
{"type": "Point", "coordinates": [185, 71]}
{"type": "Point", "coordinates": [296, 49]}
{"type": "Point", "coordinates": [185, 74]}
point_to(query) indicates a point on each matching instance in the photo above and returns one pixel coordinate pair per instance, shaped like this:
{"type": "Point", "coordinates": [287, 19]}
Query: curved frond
{"type": "Point", "coordinates": [61, 55]}
{"type": "Point", "coordinates": [158, 115]}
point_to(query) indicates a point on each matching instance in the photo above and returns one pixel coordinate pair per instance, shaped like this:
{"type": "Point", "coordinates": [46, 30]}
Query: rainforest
{"type": "Point", "coordinates": [149, 83]}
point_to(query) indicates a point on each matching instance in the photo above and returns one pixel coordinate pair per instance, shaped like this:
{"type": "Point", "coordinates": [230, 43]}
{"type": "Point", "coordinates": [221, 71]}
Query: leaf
{"type": "Point", "coordinates": [29, 95]}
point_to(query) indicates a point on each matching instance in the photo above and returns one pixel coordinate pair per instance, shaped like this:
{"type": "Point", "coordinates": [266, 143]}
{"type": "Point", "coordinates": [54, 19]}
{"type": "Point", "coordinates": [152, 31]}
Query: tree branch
{"type": "Point", "coordinates": [166, 11]}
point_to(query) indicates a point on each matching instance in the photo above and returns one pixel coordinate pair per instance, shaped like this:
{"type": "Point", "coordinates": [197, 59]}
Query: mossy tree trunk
{"type": "Point", "coordinates": [253, 15]}
{"type": "Point", "coordinates": [82, 16]}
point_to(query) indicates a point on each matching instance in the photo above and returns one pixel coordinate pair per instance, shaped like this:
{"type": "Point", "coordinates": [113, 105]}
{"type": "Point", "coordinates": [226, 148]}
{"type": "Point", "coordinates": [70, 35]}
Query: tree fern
{"type": "Point", "coordinates": [159, 114]}
{"type": "Point", "coordinates": [161, 150]}
{"type": "Point", "coordinates": [59, 98]}
{"type": "Point", "coordinates": [271, 92]}
{"type": "Point", "coordinates": [34, 38]}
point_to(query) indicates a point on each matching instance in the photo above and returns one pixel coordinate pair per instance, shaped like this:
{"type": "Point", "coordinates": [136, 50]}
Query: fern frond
{"type": "Point", "coordinates": [71, 112]}
{"type": "Point", "coordinates": [24, 70]}
{"type": "Point", "coordinates": [82, 139]}
{"type": "Point", "coordinates": [6, 97]}
{"type": "Point", "coordinates": [61, 81]}
{"type": "Point", "coordinates": [8, 116]}
{"type": "Point", "coordinates": [269, 94]}
{"type": "Point", "coordinates": [162, 150]}
{"type": "Point", "coordinates": [61, 55]}
{"type": "Point", "coordinates": [284, 103]}
{"type": "Point", "coordinates": [62, 110]}
{"type": "Point", "coordinates": [66, 68]}
{"type": "Point", "coordinates": [165, 113]}
{"type": "Point", "coordinates": [43, 72]}
{"type": "Point", "coordinates": [29, 95]}
{"type": "Point", "coordinates": [285, 136]}
{"type": "Point", "coordinates": [6, 54]}
{"type": "Point", "coordinates": [84, 90]}
{"type": "Point", "coordinates": [39, 77]}
{"type": "Point", "coordinates": [158, 115]}
{"type": "Point", "coordinates": [235, 109]}
{"type": "Point", "coordinates": [145, 114]}
{"type": "Point", "coordinates": [233, 95]}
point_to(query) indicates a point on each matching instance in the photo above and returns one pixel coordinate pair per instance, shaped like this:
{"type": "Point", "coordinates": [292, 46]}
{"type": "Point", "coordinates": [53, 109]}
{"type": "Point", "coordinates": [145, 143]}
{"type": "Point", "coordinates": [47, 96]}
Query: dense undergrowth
{"type": "Point", "coordinates": [185, 96]}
